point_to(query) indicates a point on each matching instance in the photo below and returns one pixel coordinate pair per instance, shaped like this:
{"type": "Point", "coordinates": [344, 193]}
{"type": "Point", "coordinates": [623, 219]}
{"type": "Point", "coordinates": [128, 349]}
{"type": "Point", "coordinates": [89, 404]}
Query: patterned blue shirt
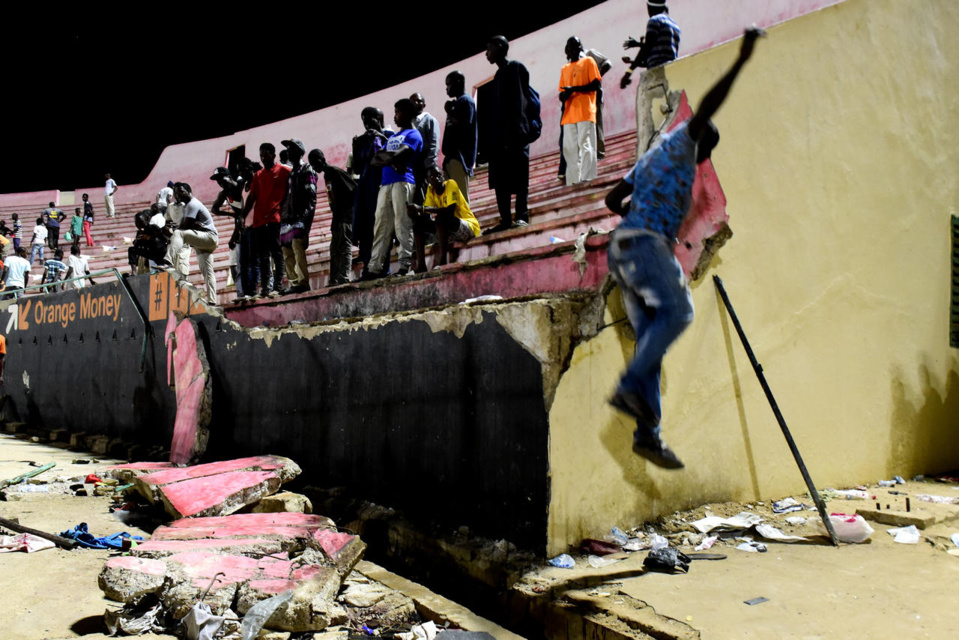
{"type": "Point", "coordinates": [662, 184]}
{"type": "Point", "coordinates": [663, 36]}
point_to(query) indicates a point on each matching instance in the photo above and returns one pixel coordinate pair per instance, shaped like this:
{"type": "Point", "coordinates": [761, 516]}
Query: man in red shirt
{"type": "Point", "coordinates": [266, 199]}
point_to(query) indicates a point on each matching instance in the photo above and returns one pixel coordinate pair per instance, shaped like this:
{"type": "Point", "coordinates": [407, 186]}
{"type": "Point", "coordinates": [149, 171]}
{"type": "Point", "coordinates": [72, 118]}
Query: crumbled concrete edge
{"type": "Point", "coordinates": [433, 606]}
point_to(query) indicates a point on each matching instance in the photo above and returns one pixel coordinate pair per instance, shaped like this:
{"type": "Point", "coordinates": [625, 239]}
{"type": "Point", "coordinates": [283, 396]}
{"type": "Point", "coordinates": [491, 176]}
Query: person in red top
{"type": "Point", "coordinates": [578, 83]}
{"type": "Point", "coordinates": [3, 356]}
{"type": "Point", "coordinates": [266, 199]}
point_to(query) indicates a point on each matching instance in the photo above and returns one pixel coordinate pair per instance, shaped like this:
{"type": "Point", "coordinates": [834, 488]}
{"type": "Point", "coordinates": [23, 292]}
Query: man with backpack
{"type": "Point", "coordinates": [509, 120]}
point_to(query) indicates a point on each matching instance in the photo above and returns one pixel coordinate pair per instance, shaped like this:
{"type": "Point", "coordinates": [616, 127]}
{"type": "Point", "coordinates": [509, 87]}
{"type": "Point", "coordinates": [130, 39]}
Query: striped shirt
{"type": "Point", "coordinates": [662, 34]}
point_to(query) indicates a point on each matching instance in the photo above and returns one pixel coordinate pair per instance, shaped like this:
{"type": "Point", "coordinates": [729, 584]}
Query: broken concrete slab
{"type": "Point", "coordinates": [166, 548]}
{"type": "Point", "coordinates": [279, 526]}
{"type": "Point", "coordinates": [126, 578]}
{"type": "Point", "coordinates": [343, 549]}
{"type": "Point", "coordinates": [149, 484]}
{"type": "Point", "coordinates": [222, 494]}
{"type": "Point", "coordinates": [189, 371]}
{"type": "Point", "coordinates": [285, 501]}
{"type": "Point", "coordinates": [129, 471]}
{"type": "Point", "coordinates": [181, 579]}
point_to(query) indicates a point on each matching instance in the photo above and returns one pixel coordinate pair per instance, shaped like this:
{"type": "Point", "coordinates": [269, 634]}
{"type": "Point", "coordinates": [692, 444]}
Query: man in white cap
{"type": "Point", "coordinates": [659, 46]}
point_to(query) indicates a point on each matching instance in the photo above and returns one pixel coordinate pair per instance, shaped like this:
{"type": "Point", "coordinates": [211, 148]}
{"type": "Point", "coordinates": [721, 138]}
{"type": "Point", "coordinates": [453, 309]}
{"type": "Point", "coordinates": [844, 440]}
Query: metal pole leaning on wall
{"type": "Point", "coordinates": [758, 368]}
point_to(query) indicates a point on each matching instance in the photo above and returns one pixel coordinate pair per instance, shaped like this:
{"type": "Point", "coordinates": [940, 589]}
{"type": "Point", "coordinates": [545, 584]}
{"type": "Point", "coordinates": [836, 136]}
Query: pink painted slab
{"type": "Point", "coordinates": [158, 547]}
{"type": "Point", "coordinates": [277, 532]}
{"type": "Point", "coordinates": [256, 463]}
{"type": "Point", "coordinates": [198, 495]}
{"type": "Point", "coordinates": [144, 467]}
{"type": "Point", "coordinates": [255, 519]}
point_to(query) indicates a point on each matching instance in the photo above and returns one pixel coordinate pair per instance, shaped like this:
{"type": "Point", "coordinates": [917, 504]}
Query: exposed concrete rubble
{"type": "Point", "coordinates": [216, 488]}
{"type": "Point", "coordinates": [242, 559]}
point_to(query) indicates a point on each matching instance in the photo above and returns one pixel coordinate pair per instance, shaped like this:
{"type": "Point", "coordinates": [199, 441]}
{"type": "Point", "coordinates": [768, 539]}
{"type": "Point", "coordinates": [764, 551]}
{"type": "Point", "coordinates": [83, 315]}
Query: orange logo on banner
{"type": "Point", "coordinates": [166, 296]}
{"type": "Point", "coordinates": [23, 311]}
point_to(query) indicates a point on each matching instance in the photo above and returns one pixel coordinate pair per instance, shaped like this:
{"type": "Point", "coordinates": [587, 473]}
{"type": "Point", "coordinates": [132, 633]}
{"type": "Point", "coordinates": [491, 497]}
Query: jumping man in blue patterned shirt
{"type": "Point", "coordinates": [653, 200]}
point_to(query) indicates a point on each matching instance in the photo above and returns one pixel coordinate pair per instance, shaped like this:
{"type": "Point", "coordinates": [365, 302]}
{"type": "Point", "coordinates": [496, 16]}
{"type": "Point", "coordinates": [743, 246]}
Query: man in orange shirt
{"type": "Point", "coordinates": [3, 356]}
{"type": "Point", "coordinates": [578, 83]}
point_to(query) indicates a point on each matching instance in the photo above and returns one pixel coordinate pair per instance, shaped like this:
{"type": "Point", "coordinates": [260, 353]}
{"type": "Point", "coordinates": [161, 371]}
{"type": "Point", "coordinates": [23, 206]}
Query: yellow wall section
{"type": "Point", "coordinates": [839, 161]}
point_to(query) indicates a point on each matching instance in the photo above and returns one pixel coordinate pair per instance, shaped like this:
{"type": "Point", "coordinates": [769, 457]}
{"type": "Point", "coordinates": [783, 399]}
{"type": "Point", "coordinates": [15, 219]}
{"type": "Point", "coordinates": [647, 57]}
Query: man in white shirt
{"type": "Point", "coordinates": [16, 272]}
{"type": "Point", "coordinates": [165, 196]}
{"type": "Point", "coordinates": [198, 231]}
{"type": "Point", "coordinates": [38, 240]}
{"type": "Point", "coordinates": [77, 267]}
{"type": "Point", "coordinates": [110, 188]}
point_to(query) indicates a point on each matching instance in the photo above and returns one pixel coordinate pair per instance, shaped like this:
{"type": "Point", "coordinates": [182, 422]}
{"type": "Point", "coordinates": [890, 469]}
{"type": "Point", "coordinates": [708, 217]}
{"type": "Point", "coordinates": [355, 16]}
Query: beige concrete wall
{"type": "Point", "coordinates": [839, 161]}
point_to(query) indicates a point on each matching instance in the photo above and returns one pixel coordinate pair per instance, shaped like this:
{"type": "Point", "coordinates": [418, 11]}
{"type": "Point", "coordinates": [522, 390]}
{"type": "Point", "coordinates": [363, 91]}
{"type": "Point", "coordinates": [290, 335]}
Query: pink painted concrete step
{"type": "Point", "coordinates": [285, 468]}
{"type": "Point", "coordinates": [220, 494]}
{"type": "Point", "coordinates": [163, 548]}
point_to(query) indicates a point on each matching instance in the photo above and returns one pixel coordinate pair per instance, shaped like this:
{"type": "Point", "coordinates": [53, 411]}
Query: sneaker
{"type": "Point", "coordinates": [634, 405]}
{"type": "Point", "coordinates": [400, 272]}
{"type": "Point", "coordinates": [519, 224]}
{"type": "Point", "coordinates": [650, 446]}
{"type": "Point", "coordinates": [275, 293]}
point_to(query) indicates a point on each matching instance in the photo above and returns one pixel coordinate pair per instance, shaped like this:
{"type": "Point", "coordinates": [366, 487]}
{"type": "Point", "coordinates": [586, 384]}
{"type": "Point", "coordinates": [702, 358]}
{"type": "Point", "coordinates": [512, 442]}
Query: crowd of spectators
{"type": "Point", "coordinates": [391, 193]}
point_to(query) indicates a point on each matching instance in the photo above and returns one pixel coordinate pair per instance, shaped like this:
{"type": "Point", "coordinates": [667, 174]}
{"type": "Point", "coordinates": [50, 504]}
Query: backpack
{"type": "Point", "coordinates": [533, 116]}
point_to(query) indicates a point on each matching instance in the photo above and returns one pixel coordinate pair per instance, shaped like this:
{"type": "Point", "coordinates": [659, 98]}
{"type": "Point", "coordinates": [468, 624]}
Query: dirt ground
{"type": "Point", "coordinates": [53, 594]}
{"type": "Point", "coordinates": [876, 590]}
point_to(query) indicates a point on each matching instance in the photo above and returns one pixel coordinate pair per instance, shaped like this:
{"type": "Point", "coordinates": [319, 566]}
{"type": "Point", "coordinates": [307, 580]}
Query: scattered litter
{"type": "Point", "coordinates": [887, 483]}
{"type": "Point", "coordinates": [579, 255]}
{"type": "Point", "coordinates": [200, 623]}
{"type": "Point", "coordinates": [707, 543]}
{"type": "Point", "coordinates": [635, 544]}
{"type": "Point", "coordinates": [667, 560]}
{"type": "Point", "coordinates": [425, 631]}
{"type": "Point", "coordinates": [753, 601]}
{"type": "Point", "coordinates": [31, 488]}
{"type": "Point", "coordinates": [598, 562]}
{"type": "Point", "coordinates": [554, 240]}
{"type": "Point", "coordinates": [796, 520]}
{"type": "Point", "coordinates": [787, 505]}
{"type": "Point", "coordinates": [563, 561]}
{"type": "Point", "coordinates": [744, 520]}
{"type": "Point", "coordinates": [84, 538]}
{"type": "Point", "coordinates": [657, 542]}
{"type": "Point", "coordinates": [852, 494]}
{"type": "Point", "coordinates": [848, 528]}
{"type": "Point", "coordinates": [599, 547]}
{"type": "Point", "coordinates": [24, 542]}
{"type": "Point", "coordinates": [772, 533]}
{"type": "Point", "coordinates": [937, 499]}
{"type": "Point", "coordinates": [134, 620]}
{"type": "Point", "coordinates": [753, 547]}
{"type": "Point", "coordinates": [905, 535]}
{"type": "Point", "coordinates": [899, 480]}
{"type": "Point", "coordinates": [955, 539]}
{"type": "Point", "coordinates": [486, 298]}
{"type": "Point", "coordinates": [259, 613]}
{"type": "Point", "coordinates": [618, 536]}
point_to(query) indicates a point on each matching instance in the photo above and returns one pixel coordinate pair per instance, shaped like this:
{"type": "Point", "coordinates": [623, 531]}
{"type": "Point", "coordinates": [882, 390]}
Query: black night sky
{"type": "Point", "coordinates": [93, 92]}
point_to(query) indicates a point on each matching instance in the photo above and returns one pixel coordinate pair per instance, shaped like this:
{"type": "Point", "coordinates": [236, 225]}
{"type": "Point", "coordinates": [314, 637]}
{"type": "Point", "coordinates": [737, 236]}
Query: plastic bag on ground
{"type": "Point", "coordinates": [905, 535]}
{"type": "Point", "coordinates": [668, 560]}
{"type": "Point", "coordinates": [201, 624]}
{"type": "Point", "coordinates": [24, 542]}
{"type": "Point", "coordinates": [848, 528]}
{"type": "Point", "coordinates": [260, 613]}
{"type": "Point", "coordinates": [563, 561]}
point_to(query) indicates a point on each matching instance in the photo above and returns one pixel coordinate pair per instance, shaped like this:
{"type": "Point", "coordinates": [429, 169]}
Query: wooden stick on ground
{"type": "Point", "coordinates": [63, 543]}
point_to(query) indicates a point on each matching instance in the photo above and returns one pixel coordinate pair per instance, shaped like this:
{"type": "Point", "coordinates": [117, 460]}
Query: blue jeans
{"type": "Point", "coordinates": [37, 249]}
{"type": "Point", "coordinates": [658, 303]}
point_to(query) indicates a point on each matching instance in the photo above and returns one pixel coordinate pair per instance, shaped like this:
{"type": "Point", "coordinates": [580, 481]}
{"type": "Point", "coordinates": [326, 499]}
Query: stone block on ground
{"type": "Point", "coordinates": [78, 439]}
{"type": "Point", "coordinates": [344, 550]}
{"type": "Point", "coordinates": [283, 502]}
{"type": "Point", "coordinates": [97, 444]}
{"type": "Point", "coordinates": [898, 518]}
